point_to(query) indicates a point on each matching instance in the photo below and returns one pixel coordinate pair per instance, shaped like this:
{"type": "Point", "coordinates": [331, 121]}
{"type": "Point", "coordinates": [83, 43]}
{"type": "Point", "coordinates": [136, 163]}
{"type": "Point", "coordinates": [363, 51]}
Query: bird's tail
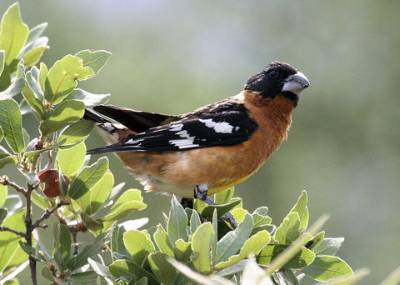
{"type": "Point", "coordinates": [101, 121]}
{"type": "Point", "coordinates": [111, 131]}
{"type": "Point", "coordinates": [92, 116]}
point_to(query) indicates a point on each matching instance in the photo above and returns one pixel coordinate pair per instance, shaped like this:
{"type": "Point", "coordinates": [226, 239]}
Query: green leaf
{"type": "Point", "coordinates": [65, 113]}
{"type": "Point", "coordinates": [34, 86]}
{"type": "Point", "coordinates": [33, 56]}
{"type": "Point", "coordinates": [43, 71]}
{"type": "Point", "coordinates": [233, 241]}
{"type": "Point", "coordinates": [161, 239]}
{"type": "Point", "coordinates": [88, 251]}
{"type": "Point", "coordinates": [316, 240]}
{"type": "Point", "coordinates": [2, 61]}
{"type": "Point", "coordinates": [62, 244]}
{"type": "Point", "coordinates": [117, 243]}
{"type": "Point", "coordinates": [289, 229]}
{"type": "Point", "coordinates": [130, 270]}
{"type": "Point", "coordinates": [13, 281]}
{"type": "Point", "coordinates": [138, 244]}
{"type": "Point", "coordinates": [3, 215]}
{"type": "Point", "coordinates": [90, 99]}
{"type": "Point", "coordinates": [63, 76]}
{"type": "Point", "coordinates": [11, 123]}
{"type": "Point", "coordinates": [9, 277]}
{"type": "Point", "coordinates": [76, 133]}
{"type": "Point", "coordinates": [355, 277]}
{"type": "Point", "coordinates": [225, 196]}
{"type": "Point", "coordinates": [118, 249]}
{"type": "Point", "coordinates": [239, 214]}
{"type": "Point", "coordinates": [94, 59]}
{"type": "Point", "coordinates": [207, 210]}
{"type": "Point", "coordinates": [70, 160]}
{"type": "Point", "coordinates": [10, 251]}
{"type": "Point", "coordinates": [40, 201]}
{"type": "Point", "coordinates": [326, 267]}
{"type": "Point", "coordinates": [93, 224]}
{"type": "Point", "coordinates": [129, 201]}
{"type": "Point", "coordinates": [177, 222]}
{"type": "Point", "coordinates": [162, 269]}
{"type": "Point", "coordinates": [33, 101]}
{"type": "Point", "coordinates": [303, 258]}
{"type": "Point", "coordinates": [101, 270]}
{"type": "Point", "coordinates": [87, 178]}
{"type": "Point", "coordinates": [260, 217]}
{"type": "Point", "coordinates": [289, 275]}
{"type": "Point", "coordinates": [202, 244]}
{"type": "Point", "coordinates": [84, 278]}
{"type": "Point", "coordinates": [3, 194]}
{"type": "Point", "coordinates": [7, 159]}
{"type": "Point", "coordinates": [14, 89]}
{"type": "Point", "coordinates": [251, 246]}
{"type": "Point", "coordinates": [36, 32]}
{"type": "Point", "coordinates": [182, 250]}
{"type": "Point", "coordinates": [301, 208]}
{"type": "Point", "coordinates": [13, 33]}
{"type": "Point", "coordinates": [142, 281]}
{"type": "Point", "coordinates": [195, 221]}
{"type": "Point", "coordinates": [329, 246]}
{"type": "Point", "coordinates": [93, 200]}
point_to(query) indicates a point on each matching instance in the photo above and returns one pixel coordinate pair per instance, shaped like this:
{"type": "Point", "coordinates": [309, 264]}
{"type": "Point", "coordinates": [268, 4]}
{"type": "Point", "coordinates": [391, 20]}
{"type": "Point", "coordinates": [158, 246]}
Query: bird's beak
{"type": "Point", "coordinates": [296, 83]}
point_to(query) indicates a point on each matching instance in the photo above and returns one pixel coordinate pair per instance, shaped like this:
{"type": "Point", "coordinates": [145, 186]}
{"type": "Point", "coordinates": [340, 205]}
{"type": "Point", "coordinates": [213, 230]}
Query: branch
{"type": "Point", "coordinates": [6, 182]}
{"type": "Point", "coordinates": [46, 214]}
{"type": "Point", "coordinates": [7, 229]}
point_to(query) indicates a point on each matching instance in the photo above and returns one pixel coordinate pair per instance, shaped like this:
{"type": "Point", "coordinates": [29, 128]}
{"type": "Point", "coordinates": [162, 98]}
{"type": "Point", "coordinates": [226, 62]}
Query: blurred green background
{"type": "Point", "coordinates": [344, 146]}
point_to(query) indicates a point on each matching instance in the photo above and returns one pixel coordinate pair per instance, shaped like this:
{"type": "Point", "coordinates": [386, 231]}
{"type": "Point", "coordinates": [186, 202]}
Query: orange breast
{"type": "Point", "coordinates": [223, 166]}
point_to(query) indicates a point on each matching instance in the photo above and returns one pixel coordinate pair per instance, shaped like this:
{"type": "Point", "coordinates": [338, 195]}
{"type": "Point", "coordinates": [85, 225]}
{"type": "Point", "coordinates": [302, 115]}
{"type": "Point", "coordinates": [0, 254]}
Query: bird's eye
{"type": "Point", "coordinates": [274, 74]}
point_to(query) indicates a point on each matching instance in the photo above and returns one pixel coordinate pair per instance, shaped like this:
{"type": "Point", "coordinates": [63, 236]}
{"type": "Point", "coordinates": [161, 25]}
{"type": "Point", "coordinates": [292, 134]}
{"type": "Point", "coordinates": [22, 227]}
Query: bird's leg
{"type": "Point", "coordinates": [201, 193]}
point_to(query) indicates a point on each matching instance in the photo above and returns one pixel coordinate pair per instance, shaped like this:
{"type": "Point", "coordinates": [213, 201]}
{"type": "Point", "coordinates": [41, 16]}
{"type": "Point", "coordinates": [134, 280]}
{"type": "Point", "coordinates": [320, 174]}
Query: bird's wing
{"type": "Point", "coordinates": [221, 126]}
{"type": "Point", "coordinates": [136, 121]}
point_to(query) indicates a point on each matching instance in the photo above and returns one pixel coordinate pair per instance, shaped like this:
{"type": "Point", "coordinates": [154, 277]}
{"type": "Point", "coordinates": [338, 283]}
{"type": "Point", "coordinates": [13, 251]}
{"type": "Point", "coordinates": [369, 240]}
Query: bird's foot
{"type": "Point", "coordinates": [201, 193]}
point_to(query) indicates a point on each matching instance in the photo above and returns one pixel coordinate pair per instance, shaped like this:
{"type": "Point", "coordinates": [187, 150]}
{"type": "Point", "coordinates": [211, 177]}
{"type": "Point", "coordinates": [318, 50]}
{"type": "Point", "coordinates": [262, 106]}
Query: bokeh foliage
{"type": "Point", "coordinates": [343, 146]}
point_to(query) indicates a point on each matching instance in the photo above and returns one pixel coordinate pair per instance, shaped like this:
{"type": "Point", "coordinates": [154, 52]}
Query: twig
{"type": "Point", "coordinates": [46, 214]}
{"type": "Point", "coordinates": [7, 229]}
{"type": "Point", "coordinates": [5, 181]}
{"type": "Point", "coordinates": [75, 241]}
{"type": "Point", "coordinates": [29, 229]}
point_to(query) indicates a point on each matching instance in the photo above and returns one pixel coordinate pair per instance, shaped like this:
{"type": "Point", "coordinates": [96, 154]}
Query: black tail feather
{"type": "Point", "coordinates": [92, 116]}
{"type": "Point", "coordinates": [113, 148]}
{"type": "Point", "coordinates": [137, 121]}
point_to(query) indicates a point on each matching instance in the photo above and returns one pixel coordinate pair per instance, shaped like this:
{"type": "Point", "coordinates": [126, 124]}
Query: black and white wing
{"type": "Point", "coordinates": [226, 125]}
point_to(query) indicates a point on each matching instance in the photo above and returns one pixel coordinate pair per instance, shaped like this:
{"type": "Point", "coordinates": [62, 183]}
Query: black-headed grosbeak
{"type": "Point", "coordinates": [211, 148]}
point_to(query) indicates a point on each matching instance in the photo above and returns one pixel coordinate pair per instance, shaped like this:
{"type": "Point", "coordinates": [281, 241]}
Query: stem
{"type": "Point", "coordinates": [28, 217]}
{"type": "Point", "coordinates": [46, 214]}
{"type": "Point", "coordinates": [75, 241]}
{"type": "Point", "coordinates": [7, 229]}
{"type": "Point", "coordinates": [6, 182]}
{"type": "Point", "coordinates": [29, 229]}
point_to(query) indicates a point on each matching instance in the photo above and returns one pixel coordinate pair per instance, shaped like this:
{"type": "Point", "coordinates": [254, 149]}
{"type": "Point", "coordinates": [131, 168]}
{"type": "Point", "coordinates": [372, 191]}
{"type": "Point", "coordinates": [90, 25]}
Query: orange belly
{"type": "Point", "coordinates": [218, 167]}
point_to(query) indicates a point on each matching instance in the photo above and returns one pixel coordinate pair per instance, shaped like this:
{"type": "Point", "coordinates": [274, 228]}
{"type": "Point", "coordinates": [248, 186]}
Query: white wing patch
{"type": "Point", "coordinates": [185, 142]}
{"type": "Point", "coordinates": [219, 127]}
{"type": "Point", "coordinates": [176, 127]}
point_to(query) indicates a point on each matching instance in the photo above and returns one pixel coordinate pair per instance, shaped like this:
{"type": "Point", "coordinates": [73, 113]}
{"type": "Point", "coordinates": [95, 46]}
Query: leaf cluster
{"type": "Point", "coordinates": [94, 239]}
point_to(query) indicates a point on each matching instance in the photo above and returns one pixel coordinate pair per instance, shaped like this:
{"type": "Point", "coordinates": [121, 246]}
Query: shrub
{"type": "Point", "coordinates": [190, 246]}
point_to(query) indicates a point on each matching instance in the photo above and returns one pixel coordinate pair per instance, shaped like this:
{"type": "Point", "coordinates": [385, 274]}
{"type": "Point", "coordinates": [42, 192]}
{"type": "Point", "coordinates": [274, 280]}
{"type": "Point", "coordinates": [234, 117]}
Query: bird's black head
{"type": "Point", "coordinates": [278, 79]}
